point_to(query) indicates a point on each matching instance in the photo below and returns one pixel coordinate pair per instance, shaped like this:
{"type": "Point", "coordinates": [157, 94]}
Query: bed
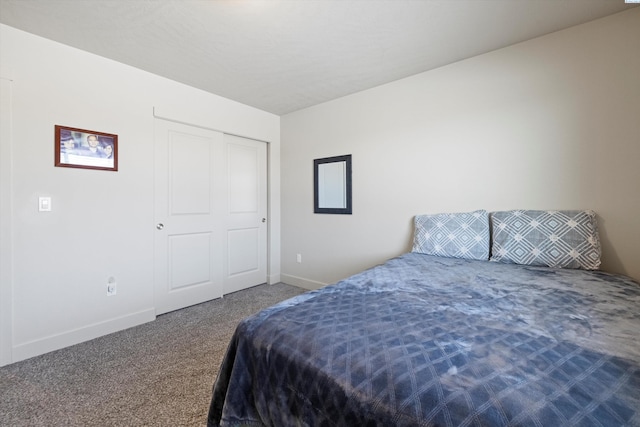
{"type": "Point", "coordinates": [443, 336]}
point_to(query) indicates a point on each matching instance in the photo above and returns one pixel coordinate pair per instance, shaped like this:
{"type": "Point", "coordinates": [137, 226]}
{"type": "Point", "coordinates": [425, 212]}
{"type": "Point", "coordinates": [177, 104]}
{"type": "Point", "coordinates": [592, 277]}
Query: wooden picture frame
{"type": "Point", "coordinates": [85, 149]}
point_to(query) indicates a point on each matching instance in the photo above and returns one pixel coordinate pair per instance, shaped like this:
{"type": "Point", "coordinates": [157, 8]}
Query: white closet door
{"type": "Point", "coordinates": [190, 207]}
{"type": "Point", "coordinates": [210, 214]}
{"type": "Point", "coordinates": [246, 220]}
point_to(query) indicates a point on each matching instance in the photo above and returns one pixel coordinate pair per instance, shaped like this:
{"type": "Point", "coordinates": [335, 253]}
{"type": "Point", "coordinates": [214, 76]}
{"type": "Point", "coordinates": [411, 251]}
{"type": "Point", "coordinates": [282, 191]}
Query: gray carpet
{"type": "Point", "coordinates": [157, 374]}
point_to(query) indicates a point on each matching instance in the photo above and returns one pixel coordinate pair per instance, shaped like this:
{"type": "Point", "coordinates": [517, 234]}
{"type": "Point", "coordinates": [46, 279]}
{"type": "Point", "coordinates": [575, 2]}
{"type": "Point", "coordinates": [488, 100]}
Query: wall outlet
{"type": "Point", "coordinates": [299, 258]}
{"type": "Point", "coordinates": [111, 286]}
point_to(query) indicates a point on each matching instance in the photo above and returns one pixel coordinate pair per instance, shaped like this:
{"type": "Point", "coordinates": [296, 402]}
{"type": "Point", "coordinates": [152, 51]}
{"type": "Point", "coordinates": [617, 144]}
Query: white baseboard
{"type": "Point", "coordinates": [76, 336]}
{"type": "Point", "coordinates": [301, 282]}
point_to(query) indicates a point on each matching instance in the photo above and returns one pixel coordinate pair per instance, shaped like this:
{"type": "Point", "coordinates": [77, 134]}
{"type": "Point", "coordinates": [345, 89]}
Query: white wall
{"type": "Point", "coordinates": [550, 123]}
{"type": "Point", "coordinates": [55, 265]}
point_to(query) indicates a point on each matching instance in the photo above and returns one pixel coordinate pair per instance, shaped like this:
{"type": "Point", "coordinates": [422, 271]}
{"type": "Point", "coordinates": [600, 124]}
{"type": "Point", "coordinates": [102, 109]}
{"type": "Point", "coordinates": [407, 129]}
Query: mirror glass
{"type": "Point", "coordinates": [332, 185]}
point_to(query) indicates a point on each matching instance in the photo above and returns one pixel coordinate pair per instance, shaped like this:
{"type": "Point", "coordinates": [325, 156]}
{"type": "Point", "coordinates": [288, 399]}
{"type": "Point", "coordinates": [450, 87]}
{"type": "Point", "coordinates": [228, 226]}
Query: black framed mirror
{"type": "Point", "coordinates": [332, 185]}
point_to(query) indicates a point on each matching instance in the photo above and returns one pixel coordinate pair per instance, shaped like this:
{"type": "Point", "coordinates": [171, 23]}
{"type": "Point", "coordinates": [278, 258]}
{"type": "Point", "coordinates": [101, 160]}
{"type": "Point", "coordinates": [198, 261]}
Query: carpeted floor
{"type": "Point", "coordinates": [157, 374]}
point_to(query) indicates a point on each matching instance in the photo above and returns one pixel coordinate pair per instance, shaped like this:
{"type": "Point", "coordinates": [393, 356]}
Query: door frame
{"type": "Point", "coordinates": [6, 224]}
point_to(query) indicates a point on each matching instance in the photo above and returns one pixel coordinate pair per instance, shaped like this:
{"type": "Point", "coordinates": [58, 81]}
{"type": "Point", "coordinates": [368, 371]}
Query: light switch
{"type": "Point", "coordinates": [44, 204]}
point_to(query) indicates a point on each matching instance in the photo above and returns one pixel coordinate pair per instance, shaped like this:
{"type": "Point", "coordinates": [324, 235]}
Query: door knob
{"type": "Point", "coordinates": [264, 219]}
{"type": "Point", "coordinates": [160, 226]}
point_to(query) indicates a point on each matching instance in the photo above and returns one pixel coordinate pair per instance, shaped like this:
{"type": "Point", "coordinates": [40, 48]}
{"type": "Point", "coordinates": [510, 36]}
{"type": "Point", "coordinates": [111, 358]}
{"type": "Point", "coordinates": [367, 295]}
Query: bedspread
{"type": "Point", "coordinates": [429, 341]}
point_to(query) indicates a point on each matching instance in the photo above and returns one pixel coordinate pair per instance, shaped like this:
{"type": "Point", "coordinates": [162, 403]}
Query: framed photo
{"type": "Point", "coordinates": [86, 149]}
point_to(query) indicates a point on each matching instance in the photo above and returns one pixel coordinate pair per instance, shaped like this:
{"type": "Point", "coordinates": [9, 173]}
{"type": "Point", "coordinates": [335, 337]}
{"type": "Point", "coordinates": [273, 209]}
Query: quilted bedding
{"type": "Point", "coordinates": [431, 341]}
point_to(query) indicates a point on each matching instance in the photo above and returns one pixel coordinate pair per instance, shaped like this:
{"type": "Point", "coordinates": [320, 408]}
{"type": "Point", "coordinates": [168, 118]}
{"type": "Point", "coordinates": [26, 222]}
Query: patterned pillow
{"type": "Point", "coordinates": [453, 235]}
{"type": "Point", "coordinates": [562, 239]}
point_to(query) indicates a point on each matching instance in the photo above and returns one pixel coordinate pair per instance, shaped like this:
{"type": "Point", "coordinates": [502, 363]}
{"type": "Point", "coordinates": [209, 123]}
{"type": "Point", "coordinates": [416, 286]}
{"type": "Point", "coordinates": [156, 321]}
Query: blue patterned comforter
{"type": "Point", "coordinates": [428, 341]}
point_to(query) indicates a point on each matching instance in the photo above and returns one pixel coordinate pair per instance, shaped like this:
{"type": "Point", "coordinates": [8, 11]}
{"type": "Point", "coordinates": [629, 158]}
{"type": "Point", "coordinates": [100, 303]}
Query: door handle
{"type": "Point", "coordinates": [159, 226]}
{"type": "Point", "coordinates": [264, 219]}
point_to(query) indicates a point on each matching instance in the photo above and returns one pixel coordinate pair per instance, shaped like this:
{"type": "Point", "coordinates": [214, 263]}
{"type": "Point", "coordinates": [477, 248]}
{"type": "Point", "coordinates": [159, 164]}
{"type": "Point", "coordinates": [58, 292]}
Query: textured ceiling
{"type": "Point", "coordinates": [281, 56]}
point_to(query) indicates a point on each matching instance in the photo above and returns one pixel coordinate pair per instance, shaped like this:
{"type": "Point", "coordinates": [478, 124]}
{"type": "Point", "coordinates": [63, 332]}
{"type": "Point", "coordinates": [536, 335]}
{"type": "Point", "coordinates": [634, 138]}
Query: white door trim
{"type": "Point", "coordinates": [6, 224]}
{"type": "Point", "coordinates": [182, 122]}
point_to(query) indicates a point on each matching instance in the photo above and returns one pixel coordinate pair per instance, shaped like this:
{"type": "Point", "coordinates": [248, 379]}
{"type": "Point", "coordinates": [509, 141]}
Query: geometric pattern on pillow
{"type": "Point", "coordinates": [453, 235]}
{"type": "Point", "coordinates": [562, 239]}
